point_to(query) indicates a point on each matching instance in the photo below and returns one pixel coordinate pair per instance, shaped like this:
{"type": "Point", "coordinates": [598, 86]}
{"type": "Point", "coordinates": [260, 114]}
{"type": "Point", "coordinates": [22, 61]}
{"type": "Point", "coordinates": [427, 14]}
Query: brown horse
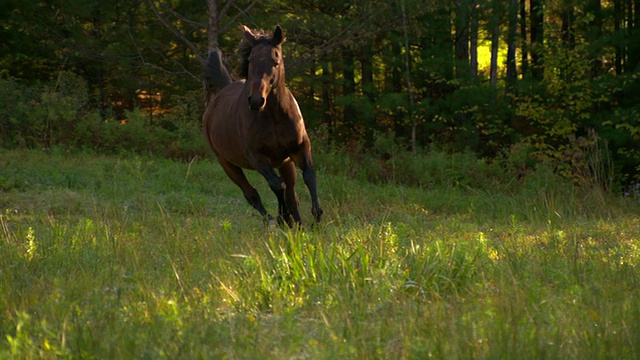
{"type": "Point", "coordinates": [256, 124]}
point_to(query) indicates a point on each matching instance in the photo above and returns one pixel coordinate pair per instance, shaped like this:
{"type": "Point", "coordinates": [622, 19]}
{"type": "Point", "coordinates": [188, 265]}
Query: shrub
{"type": "Point", "coordinates": [57, 114]}
{"type": "Point", "coordinates": [41, 115]}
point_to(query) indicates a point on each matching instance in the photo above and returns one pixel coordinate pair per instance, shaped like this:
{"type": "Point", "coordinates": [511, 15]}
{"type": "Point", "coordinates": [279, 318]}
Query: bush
{"type": "Point", "coordinates": [58, 115]}
{"type": "Point", "coordinates": [389, 161]}
{"type": "Point", "coordinates": [41, 115]}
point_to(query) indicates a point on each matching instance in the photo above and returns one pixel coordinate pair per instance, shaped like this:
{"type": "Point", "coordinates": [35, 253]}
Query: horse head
{"type": "Point", "coordinates": [265, 68]}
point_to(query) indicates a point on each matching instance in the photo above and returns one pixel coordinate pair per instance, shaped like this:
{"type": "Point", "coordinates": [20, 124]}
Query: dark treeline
{"type": "Point", "coordinates": [559, 78]}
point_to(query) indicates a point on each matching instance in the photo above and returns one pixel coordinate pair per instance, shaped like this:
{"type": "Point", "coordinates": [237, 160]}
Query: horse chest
{"type": "Point", "coordinates": [274, 141]}
{"type": "Point", "coordinates": [280, 144]}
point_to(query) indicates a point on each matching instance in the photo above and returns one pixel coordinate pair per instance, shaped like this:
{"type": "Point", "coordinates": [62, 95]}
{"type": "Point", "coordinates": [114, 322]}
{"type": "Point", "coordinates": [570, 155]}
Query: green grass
{"type": "Point", "coordinates": [139, 257]}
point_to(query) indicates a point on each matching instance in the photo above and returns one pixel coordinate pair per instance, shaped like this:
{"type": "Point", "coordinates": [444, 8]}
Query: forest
{"type": "Point", "coordinates": [552, 81]}
{"type": "Point", "coordinates": [478, 166]}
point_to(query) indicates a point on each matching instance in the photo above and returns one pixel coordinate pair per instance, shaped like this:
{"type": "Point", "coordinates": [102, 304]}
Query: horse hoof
{"type": "Point", "coordinates": [317, 214]}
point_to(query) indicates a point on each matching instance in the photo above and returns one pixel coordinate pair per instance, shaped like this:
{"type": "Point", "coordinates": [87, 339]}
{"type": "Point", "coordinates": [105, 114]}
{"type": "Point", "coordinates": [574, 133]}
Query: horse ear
{"type": "Point", "coordinates": [278, 36]}
{"type": "Point", "coordinates": [248, 34]}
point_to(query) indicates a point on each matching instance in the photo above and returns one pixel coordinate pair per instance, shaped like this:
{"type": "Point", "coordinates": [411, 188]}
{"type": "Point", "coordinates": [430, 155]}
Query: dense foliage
{"type": "Point", "coordinates": [558, 79]}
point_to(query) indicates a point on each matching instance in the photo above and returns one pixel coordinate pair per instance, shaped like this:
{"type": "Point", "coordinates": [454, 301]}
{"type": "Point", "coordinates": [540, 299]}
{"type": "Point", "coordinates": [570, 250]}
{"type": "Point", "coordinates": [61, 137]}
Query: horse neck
{"type": "Point", "coordinates": [280, 92]}
{"type": "Point", "coordinates": [281, 87]}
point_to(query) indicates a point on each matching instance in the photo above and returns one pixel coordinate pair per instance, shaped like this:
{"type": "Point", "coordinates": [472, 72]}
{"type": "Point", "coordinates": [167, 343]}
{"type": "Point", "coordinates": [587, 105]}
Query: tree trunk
{"type": "Point", "coordinates": [636, 12]}
{"type": "Point", "coordinates": [366, 65]}
{"type": "Point", "coordinates": [327, 112]}
{"type": "Point", "coordinates": [495, 43]}
{"type": "Point", "coordinates": [512, 75]}
{"type": "Point", "coordinates": [397, 86]}
{"type": "Point", "coordinates": [462, 37]}
{"type": "Point", "coordinates": [566, 34]}
{"type": "Point", "coordinates": [407, 64]}
{"type": "Point", "coordinates": [536, 17]}
{"type": "Point", "coordinates": [474, 28]}
{"type": "Point", "coordinates": [618, 18]}
{"type": "Point", "coordinates": [594, 35]}
{"type": "Point", "coordinates": [213, 31]}
{"type": "Point", "coordinates": [365, 58]}
{"type": "Point", "coordinates": [633, 61]}
{"type": "Point", "coordinates": [568, 37]}
{"type": "Point", "coordinates": [348, 87]}
{"type": "Point", "coordinates": [524, 47]}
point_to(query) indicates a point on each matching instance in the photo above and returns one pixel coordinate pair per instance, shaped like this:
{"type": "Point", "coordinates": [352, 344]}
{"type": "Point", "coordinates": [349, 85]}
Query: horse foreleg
{"type": "Point", "coordinates": [309, 175]}
{"type": "Point", "coordinates": [289, 176]}
{"type": "Point", "coordinates": [278, 187]}
{"type": "Point", "coordinates": [236, 175]}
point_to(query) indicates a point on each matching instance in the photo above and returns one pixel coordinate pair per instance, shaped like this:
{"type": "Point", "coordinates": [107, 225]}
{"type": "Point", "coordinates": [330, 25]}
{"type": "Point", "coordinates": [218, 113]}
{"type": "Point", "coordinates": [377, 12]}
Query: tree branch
{"type": "Point", "coordinates": [239, 14]}
{"type": "Point", "coordinates": [157, 67]}
{"type": "Point", "coordinates": [176, 32]}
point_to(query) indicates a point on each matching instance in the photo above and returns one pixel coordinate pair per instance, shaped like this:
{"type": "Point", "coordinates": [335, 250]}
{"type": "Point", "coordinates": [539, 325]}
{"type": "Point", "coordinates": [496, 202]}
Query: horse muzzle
{"type": "Point", "coordinates": [256, 103]}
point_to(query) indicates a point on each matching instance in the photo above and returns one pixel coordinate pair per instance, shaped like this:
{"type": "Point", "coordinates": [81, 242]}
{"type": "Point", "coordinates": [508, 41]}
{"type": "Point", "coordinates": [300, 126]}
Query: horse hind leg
{"type": "Point", "coordinates": [236, 175]}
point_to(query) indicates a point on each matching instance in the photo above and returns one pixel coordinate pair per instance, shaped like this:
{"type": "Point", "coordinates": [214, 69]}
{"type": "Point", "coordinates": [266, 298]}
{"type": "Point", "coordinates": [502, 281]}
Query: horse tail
{"type": "Point", "coordinates": [216, 73]}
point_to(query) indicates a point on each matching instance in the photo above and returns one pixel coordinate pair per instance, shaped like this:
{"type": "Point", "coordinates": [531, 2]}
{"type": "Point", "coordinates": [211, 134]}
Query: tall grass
{"type": "Point", "coordinates": [140, 257]}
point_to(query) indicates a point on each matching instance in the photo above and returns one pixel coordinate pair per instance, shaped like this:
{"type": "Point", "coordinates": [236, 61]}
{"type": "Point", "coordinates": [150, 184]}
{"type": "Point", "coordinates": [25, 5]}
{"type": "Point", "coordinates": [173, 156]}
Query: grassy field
{"type": "Point", "coordinates": [138, 257]}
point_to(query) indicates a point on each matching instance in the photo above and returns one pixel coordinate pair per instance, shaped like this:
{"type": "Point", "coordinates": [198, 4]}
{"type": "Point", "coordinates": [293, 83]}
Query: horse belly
{"type": "Point", "coordinates": [226, 144]}
{"type": "Point", "coordinates": [230, 149]}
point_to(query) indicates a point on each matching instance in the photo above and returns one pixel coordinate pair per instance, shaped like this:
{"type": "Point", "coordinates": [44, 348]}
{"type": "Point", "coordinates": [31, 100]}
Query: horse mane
{"type": "Point", "coordinates": [244, 50]}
